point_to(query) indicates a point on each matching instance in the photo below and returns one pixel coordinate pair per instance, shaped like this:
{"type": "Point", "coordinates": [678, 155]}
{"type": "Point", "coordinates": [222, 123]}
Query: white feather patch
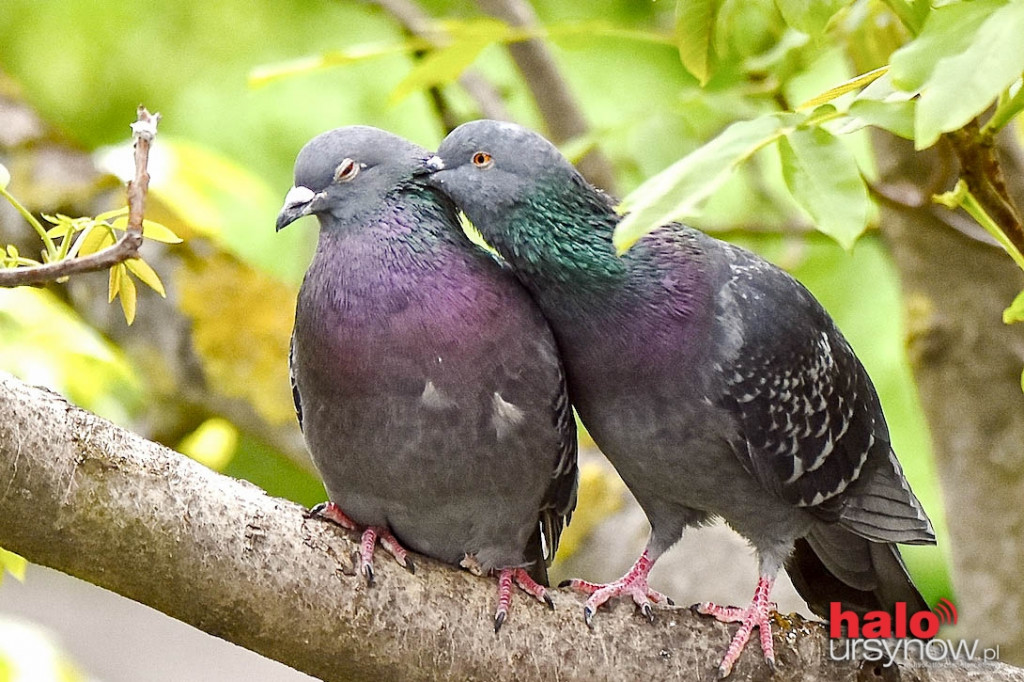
{"type": "Point", "coordinates": [506, 416]}
{"type": "Point", "coordinates": [433, 398]}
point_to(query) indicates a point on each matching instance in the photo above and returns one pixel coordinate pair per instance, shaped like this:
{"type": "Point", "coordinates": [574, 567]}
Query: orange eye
{"type": "Point", "coordinates": [482, 160]}
{"type": "Point", "coordinates": [346, 170]}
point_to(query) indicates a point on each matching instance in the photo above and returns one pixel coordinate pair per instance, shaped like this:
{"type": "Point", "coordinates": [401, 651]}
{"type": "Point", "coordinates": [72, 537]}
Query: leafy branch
{"type": "Point", "coordinates": [77, 245]}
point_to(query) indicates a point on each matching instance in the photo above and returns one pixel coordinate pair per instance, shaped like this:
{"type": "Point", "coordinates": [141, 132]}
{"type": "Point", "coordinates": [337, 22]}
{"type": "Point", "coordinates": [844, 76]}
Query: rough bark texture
{"type": "Point", "coordinates": [968, 365]}
{"type": "Point", "coordinates": [81, 495]}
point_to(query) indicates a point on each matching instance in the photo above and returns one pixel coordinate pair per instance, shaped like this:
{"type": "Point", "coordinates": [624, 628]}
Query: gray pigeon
{"type": "Point", "coordinates": [714, 382]}
{"type": "Point", "coordinates": [427, 383]}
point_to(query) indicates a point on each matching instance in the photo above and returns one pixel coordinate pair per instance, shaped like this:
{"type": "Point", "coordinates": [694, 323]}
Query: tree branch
{"type": "Point", "coordinates": [414, 20]}
{"type": "Point", "coordinates": [557, 105]}
{"type": "Point", "coordinates": [127, 246]}
{"type": "Point", "coordinates": [85, 497]}
{"type": "Point", "coordinates": [980, 168]}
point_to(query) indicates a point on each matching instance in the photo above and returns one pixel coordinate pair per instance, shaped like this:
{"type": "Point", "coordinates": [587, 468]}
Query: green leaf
{"type": "Point", "coordinates": [146, 275]}
{"type": "Point", "coordinates": [679, 191]}
{"type": "Point", "coordinates": [439, 67]}
{"type": "Point", "coordinates": [94, 239]}
{"type": "Point", "coordinates": [468, 38]}
{"type": "Point", "coordinates": [964, 85]}
{"type": "Point", "coordinates": [809, 16]}
{"type": "Point", "coordinates": [128, 295]}
{"type": "Point", "coordinates": [262, 75]}
{"type": "Point", "coordinates": [855, 83]}
{"type": "Point", "coordinates": [823, 177]}
{"type": "Point", "coordinates": [5, 176]}
{"type": "Point", "coordinates": [896, 117]}
{"type": "Point", "coordinates": [13, 564]}
{"type": "Point", "coordinates": [114, 281]}
{"type": "Point", "coordinates": [695, 35]}
{"type": "Point", "coordinates": [912, 13]}
{"type": "Point", "coordinates": [1015, 311]}
{"type": "Point", "coordinates": [108, 215]}
{"type": "Point", "coordinates": [150, 230]}
{"type": "Point", "coordinates": [949, 30]}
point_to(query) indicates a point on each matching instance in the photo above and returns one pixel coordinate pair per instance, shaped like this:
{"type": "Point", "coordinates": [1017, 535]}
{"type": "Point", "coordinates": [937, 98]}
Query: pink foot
{"type": "Point", "coordinates": [527, 584]}
{"type": "Point", "coordinates": [634, 584]}
{"type": "Point", "coordinates": [757, 614]}
{"type": "Point", "coordinates": [371, 536]}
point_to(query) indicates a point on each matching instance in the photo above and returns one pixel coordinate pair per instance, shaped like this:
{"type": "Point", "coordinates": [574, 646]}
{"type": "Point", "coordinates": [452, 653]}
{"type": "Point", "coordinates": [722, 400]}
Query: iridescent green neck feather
{"type": "Point", "coordinates": [561, 233]}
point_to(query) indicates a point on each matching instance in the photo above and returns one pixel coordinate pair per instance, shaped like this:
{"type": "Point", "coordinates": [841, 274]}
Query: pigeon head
{"type": "Point", "coordinates": [491, 168]}
{"type": "Point", "coordinates": [347, 172]}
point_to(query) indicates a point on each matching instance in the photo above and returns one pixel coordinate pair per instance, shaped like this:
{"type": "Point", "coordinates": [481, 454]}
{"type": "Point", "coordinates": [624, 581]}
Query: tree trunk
{"type": "Point", "coordinates": [968, 368]}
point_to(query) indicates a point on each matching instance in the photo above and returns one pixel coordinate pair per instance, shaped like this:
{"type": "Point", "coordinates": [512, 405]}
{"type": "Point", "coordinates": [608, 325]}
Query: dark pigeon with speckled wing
{"type": "Point", "coordinates": [714, 382]}
{"type": "Point", "coordinates": [427, 383]}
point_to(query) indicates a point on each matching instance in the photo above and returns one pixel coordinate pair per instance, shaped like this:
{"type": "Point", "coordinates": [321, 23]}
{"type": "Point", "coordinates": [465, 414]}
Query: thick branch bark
{"type": "Point", "coordinates": [83, 496]}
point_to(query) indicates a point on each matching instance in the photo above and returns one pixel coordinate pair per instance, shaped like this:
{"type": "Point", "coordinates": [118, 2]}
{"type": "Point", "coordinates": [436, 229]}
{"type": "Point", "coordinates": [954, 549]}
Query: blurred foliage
{"type": "Point", "coordinates": [241, 323]}
{"type": "Point", "coordinates": [13, 564]}
{"type": "Point", "coordinates": [213, 443]}
{"type": "Point", "coordinates": [45, 342]}
{"type": "Point", "coordinates": [599, 496]}
{"type": "Point", "coordinates": [29, 654]}
{"type": "Point", "coordinates": [223, 162]}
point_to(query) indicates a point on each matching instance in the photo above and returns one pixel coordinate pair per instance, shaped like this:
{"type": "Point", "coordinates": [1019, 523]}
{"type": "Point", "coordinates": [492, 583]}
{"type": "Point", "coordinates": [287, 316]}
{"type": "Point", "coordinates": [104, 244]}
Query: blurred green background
{"type": "Point", "coordinates": [223, 160]}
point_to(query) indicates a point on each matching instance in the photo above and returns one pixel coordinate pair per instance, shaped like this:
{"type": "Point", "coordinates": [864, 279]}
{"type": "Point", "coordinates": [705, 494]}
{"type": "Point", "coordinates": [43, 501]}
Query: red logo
{"type": "Point", "coordinates": [882, 624]}
{"type": "Point", "coordinates": [946, 612]}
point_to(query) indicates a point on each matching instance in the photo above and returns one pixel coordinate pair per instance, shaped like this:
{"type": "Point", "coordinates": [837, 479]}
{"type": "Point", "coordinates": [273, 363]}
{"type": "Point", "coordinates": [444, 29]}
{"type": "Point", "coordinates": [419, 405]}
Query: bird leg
{"type": "Point", "coordinates": [371, 536]}
{"type": "Point", "coordinates": [757, 614]}
{"type": "Point", "coordinates": [527, 584]}
{"type": "Point", "coordinates": [332, 512]}
{"type": "Point", "coordinates": [634, 583]}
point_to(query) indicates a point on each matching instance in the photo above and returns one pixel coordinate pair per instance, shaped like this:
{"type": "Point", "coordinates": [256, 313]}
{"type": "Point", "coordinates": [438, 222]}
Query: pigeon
{"type": "Point", "coordinates": [427, 384]}
{"type": "Point", "coordinates": [714, 382]}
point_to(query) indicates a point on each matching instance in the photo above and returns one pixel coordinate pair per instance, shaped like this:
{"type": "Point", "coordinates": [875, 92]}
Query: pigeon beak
{"type": "Point", "coordinates": [297, 203]}
{"type": "Point", "coordinates": [433, 164]}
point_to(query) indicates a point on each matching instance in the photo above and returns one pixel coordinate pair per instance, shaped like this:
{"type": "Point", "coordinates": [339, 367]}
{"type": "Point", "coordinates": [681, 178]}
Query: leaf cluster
{"type": "Point", "coordinates": [67, 238]}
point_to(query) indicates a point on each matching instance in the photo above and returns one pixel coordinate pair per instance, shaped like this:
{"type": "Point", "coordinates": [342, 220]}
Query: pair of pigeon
{"type": "Point", "coordinates": [433, 381]}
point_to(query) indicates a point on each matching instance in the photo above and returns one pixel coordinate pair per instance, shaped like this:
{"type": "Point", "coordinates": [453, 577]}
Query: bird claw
{"type": "Point", "coordinates": [634, 584]}
{"type": "Point", "coordinates": [522, 579]}
{"type": "Point", "coordinates": [367, 571]}
{"type": "Point", "coordinates": [329, 511]}
{"type": "Point", "coordinates": [757, 614]}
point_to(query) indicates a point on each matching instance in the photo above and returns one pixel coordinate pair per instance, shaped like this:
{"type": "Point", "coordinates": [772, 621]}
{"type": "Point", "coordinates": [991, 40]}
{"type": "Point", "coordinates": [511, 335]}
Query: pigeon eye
{"type": "Point", "coordinates": [482, 160]}
{"type": "Point", "coordinates": [346, 170]}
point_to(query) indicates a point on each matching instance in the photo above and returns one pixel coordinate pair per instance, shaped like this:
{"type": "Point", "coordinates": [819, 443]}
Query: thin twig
{"type": "Point", "coordinates": [419, 24]}
{"type": "Point", "coordinates": [557, 105]}
{"type": "Point", "coordinates": [981, 170]}
{"type": "Point", "coordinates": [127, 246]}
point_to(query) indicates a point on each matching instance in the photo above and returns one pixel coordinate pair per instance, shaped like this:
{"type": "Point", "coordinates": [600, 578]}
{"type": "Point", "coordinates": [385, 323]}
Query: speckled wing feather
{"type": "Point", "coordinates": [808, 413]}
